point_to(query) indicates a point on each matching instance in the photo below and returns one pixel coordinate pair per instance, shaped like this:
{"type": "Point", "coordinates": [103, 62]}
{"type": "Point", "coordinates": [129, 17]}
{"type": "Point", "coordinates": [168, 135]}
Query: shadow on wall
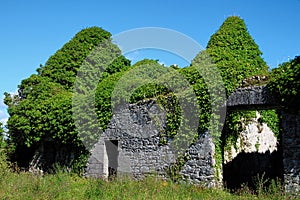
{"type": "Point", "coordinates": [247, 167]}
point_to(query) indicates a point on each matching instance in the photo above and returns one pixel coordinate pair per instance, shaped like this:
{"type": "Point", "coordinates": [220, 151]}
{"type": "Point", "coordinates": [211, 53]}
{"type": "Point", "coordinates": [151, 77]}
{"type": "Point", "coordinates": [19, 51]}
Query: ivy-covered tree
{"type": "Point", "coordinates": [42, 109]}
{"type": "Point", "coordinates": [62, 67]}
{"type": "Point", "coordinates": [235, 53]}
{"type": "Point", "coordinates": [237, 57]}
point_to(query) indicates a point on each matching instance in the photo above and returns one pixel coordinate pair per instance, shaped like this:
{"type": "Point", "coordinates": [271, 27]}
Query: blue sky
{"type": "Point", "coordinates": [31, 31]}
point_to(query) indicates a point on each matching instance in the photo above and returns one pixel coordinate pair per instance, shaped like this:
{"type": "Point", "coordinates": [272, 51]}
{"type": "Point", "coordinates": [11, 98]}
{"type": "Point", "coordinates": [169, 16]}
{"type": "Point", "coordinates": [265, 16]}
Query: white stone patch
{"type": "Point", "coordinates": [256, 137]}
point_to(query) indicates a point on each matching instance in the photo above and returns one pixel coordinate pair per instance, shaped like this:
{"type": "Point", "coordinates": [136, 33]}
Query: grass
{"type": "Point", "coordinates": [70, 186]}
{"type": "Point", "coordinates": [63, 185]}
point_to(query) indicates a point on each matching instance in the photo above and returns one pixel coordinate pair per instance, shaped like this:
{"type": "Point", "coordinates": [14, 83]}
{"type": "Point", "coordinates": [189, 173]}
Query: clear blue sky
{"type": "Point", "coordinates": [31, 31]}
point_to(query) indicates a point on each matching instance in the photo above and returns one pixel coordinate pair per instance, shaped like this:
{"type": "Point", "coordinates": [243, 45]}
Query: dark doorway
{"type": "Point", "coordinates": [112, 154]}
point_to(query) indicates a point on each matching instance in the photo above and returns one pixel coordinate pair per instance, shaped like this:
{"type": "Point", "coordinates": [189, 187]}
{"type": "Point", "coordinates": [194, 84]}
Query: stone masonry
{"type": "Point", "coordinates": [291, 151]}
{"type": "Point", "coordinates": [136, 133]}
{"type": "Point", "coordinates": [251, 98]}
{"type": "Point", "coordinates": [199, 169]}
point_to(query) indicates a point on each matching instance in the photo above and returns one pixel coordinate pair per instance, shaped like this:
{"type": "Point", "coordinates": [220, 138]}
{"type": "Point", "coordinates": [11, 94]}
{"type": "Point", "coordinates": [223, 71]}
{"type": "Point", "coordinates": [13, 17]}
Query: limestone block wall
{"type": "Point", "coordinates": [135, 132]}
{"type": "Point", "coordinates": [258, 97]}
{"type": "Point", "coordinates": [251, 98]}
{"type": "Point", "coordinates": [291, 151]}
{"type": "Point", "coordinates": [201, 167]}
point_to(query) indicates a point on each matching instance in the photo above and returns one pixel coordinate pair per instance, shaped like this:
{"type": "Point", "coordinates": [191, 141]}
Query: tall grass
{"type": "Point", "coordinates": [70, 186]}
{"type": "Point", "coordinates": [63, 185]}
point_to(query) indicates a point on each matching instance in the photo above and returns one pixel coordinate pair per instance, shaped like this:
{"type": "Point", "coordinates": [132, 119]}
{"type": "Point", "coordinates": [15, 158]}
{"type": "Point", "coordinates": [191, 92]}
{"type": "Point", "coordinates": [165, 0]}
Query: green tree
{"type": "Point", "coordinates": [235, 53]}
{"type": "Point", "coordinates": [237, 56]}
{"type": "Point", "coordinates": [42, 109]}
{"type": "Point", "coordinates": [62, 67]}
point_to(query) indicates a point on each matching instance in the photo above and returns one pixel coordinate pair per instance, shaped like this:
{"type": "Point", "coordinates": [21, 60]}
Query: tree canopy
{"type": "Point", "coordinates": [42, 109]}
{"type": "Point", "coordinates": [235, 53]}
{"type": "Point", "coordinates": [62, 67]}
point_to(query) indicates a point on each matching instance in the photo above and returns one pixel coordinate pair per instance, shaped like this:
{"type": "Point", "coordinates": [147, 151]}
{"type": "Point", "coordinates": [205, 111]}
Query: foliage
{"type": "Point", "coordinates": [285, 84]}
{"type": "Point", "coordinates": [1, 128]}
{"type": "Point", "coordinates": [234, 125]}
{"type": "Point", "coordinates": [103, 98]}
{"type": "Point", "coordinates": [3, 142]}
{"type": "Point", "coordinates": [201, 91]}
{"type": "Point", "coordinates": [118, 65]}
{"type": "Point", "coordinates": [141, 89]}
{"type": "Point", "coordinates": [43, 113]}
{"type": "Point", "coordinates": [104, 61]}
{"type": "Point", "coordinates": [271, 118]}
{"type": "Point", "coordinates": [4, 164]}
{"type": "Point", "coordinates": [148, 79]}
{"type": "Point", "coordinates": [235, 53]}
{"type": "Point", "coordinates": [62, 67]}
{"type": "Point", "coordinates": [42, 109]}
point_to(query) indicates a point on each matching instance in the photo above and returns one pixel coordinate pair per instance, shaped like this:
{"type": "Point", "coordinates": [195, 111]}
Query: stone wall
{"type": "Point", "coordinates": [251, 98]}
{"type": "Point", "coordinates": [137, 131]}
{"type": "Point", "coordinates": [291, 151]}
{"type": "Point", "coordinates": [200, 168]}
{"type": "Point", "coordinates": [258, 97]}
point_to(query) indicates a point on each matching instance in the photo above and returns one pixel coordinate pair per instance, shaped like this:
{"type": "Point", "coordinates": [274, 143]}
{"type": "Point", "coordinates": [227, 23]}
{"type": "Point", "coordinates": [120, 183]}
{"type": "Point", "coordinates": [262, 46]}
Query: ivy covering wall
{"type": "Point", "coordinates": [285, 84]}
